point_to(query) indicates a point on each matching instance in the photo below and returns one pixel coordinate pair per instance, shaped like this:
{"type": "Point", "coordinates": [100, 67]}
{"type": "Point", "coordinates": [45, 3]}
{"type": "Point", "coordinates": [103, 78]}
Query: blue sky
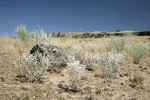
{"type": "Point", "coordinates": [74, 15]}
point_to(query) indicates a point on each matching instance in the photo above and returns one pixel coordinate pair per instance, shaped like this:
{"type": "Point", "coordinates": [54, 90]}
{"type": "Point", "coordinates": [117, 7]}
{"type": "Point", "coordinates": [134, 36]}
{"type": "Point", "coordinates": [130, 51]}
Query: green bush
{"type": "Point", "coordinates": [58, 35]}
{"type": "Point", "coordinates": [86, 35]}
{"type": "Point", "coordinates": [77, 36]}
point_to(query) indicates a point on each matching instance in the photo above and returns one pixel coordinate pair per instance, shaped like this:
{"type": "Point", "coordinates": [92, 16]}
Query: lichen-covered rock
{"type": "Point", "coordinates": [55, 54]}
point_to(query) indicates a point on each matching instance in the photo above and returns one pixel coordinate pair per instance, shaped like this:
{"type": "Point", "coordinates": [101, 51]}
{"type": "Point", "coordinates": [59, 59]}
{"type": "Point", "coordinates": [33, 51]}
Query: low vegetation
{"type": "Point", "coordinates": [96, 68]}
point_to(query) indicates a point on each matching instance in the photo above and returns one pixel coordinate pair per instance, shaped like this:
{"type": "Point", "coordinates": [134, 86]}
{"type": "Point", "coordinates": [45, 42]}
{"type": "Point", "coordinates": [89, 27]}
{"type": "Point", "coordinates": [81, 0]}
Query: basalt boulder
{"type": "Point", "coordinates": [56, 55]}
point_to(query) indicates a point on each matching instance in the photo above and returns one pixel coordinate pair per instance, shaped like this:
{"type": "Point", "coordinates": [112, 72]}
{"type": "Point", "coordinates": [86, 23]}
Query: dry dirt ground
{"type": "Point", "coordinates": [122, 87]}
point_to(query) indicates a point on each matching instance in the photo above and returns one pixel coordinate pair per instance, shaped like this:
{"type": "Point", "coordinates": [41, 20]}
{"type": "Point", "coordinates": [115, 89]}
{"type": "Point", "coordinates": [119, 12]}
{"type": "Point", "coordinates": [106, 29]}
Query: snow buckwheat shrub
{"type": "Point", "coordinates": [35, 66]}
{"type": "Point", "coordinates": [110, 63]}
{"type": "Point", "coordinates": [89, 61]}
{"type": "Point", "coordinates": [75, 71]}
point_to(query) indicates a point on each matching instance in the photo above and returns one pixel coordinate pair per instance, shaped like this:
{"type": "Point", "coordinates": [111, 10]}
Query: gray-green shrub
{"type": "Point", "coordinates": [89, 61]}
{"type": "Point", "coordinates": [78, 52]}
{"type": "Point", "coordinates": [116, 43]}
{"type": "Point", "coordinates": [35, 65]}
{"type": "Point", "coordinates": [22, 33]}
{"type": "Point", "coordinates": [108, 63]}
{"type": "Point", "coordinates": [139, 50]}
{"type": "Point", "coordinates": [39, 36]}
{"type": "Point", "coordinates": [75, 71]}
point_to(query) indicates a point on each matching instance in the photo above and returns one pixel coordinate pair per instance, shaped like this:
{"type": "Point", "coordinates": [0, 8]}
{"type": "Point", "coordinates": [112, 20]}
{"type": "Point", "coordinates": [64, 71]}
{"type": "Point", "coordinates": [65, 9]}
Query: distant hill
{"type": "Point", "coordinates": [98, 34]}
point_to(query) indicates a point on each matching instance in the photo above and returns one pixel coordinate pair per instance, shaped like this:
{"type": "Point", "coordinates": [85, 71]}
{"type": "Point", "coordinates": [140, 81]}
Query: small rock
{"type": "Point", "coordinates": [121, 75]}
{"type": "Point", "coordinates": [121, 83]}
{"type": "Point", "coordinates": [133, 98]}
{"type": "Point", "coordinates": [148, 72]}
{"type": "Point", "coordinates": [2, 79]}
{"type": "Point", "coordinates": [98, 92]}
{"type": "Point", "coordinates": [24, 88]}
{"type": "Point", "coordinates": [132, 85]}
{"type": "Point", "coordinates": [144, 68]}
{"type": "Point", "coordinates": [126, 74]}
{"type": "Point", "coordinates": [89, 97]}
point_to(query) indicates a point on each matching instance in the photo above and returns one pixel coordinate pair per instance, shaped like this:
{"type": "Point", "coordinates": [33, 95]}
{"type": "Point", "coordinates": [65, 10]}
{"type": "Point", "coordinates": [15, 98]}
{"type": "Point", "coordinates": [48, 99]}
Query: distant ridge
{"type": "Point", "coordinates": [98, 34]}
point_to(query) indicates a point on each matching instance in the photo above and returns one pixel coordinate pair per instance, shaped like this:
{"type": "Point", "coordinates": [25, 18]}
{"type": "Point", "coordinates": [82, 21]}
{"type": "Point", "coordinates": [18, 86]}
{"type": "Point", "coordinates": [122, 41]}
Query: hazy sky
{"type": "Point", "coordinates": [74, 15]}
